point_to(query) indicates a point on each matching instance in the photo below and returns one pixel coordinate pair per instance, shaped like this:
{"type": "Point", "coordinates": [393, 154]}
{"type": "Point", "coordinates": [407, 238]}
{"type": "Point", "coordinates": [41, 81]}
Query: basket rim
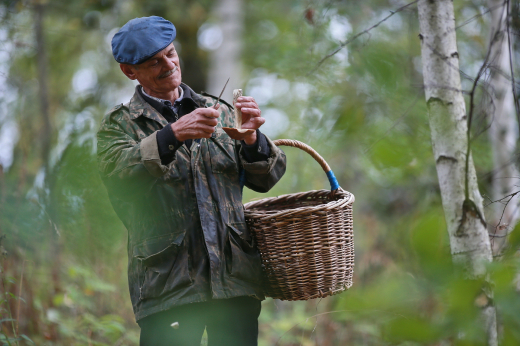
{"type": "Point", "coordinates": [260, 216]}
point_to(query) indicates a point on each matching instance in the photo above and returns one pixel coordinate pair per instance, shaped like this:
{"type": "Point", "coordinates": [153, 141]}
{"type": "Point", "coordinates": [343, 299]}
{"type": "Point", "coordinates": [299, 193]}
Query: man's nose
{"type": "Point", "coordinates": [169, 64]}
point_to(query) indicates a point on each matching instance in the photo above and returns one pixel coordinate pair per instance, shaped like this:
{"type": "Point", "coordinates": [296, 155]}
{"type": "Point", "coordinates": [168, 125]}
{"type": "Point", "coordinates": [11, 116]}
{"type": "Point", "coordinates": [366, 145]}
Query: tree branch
{"type": "Point", "coordinates": [353, 38]}
{"type": "Point", "coordinates": [515, 98]}
{"type": "Point", "coordinates": [472, 108]}
{"type": "Point", "coordinates": [478, 16]}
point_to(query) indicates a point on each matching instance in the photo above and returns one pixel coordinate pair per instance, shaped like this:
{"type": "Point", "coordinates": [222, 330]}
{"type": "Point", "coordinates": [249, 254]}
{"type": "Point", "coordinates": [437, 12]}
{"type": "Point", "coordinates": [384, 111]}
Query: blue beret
{"type": "Point", "coordinates": [141, 38]}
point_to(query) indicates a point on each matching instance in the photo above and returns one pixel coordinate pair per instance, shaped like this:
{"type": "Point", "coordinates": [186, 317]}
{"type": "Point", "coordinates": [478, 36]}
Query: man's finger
{"type": "Point", "coordinates": [208, 112]}
{"type": "Point", "coordinates": [205, 121]}
{"type": "Point", "coordinates": [254, 112]}
{"type": "Point", "coordinates": [258, 121]}
{"type": "Point", "coordinates": [246, 99]}
{"type": "Point", "coordinates": [247, 105]}
{"type": "Point", "coordinates": [208, 129]}
{"type": "Point", "coordinates": [254, 123]}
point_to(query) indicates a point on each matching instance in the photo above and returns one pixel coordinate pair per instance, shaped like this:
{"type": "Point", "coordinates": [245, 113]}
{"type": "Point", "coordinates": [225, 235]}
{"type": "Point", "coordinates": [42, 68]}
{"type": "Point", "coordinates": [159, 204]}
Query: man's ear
{"type": "Point", "coordinates": [128, 70]}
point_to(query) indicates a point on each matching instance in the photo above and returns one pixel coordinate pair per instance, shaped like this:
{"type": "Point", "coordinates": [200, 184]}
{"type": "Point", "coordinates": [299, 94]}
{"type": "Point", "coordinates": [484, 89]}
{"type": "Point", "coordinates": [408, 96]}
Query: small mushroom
{"type": "Point", "coordinates": [238, 132]}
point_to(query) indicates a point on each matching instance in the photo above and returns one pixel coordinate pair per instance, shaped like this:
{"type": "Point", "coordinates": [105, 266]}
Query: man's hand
{"type": "Point", "coordinates": [200, 123]}
{"type": "Point", "coordinates": [251, 116]}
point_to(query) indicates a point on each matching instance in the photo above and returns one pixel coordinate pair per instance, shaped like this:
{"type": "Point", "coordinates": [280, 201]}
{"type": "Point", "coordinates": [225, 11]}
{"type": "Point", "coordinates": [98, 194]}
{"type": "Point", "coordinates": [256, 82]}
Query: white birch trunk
{"type": "Point", "coordinates": [225, 60]}
{"type": "Point", "coordinates": [503, 133]}
{"type": "Point", "coordinates": [469, 241]}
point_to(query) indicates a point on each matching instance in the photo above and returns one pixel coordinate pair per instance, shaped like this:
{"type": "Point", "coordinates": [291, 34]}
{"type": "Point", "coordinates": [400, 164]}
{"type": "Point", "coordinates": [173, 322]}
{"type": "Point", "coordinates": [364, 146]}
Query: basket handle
{"type": "Point", "coordinates": [334, 185]}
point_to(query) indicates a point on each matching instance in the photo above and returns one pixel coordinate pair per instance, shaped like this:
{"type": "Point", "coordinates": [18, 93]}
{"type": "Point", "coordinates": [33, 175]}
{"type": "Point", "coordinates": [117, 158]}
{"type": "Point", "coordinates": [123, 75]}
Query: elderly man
{"type": "Point", "coordinates": [172, 175]}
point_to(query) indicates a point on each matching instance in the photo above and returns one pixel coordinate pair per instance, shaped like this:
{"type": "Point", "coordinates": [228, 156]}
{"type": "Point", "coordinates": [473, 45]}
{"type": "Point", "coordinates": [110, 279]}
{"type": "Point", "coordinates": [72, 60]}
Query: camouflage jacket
{"type": "Point", "coordinates": [187, 238]}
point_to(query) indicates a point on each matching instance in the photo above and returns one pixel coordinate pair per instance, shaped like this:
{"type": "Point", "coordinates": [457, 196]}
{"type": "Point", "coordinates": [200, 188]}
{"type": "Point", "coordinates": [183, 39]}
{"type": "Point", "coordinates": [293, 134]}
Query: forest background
{"type": "Point", "coordinates": [63, 278]}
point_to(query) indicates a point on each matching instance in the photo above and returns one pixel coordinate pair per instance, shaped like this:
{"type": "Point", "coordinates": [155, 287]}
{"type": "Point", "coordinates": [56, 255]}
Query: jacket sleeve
{"type": "Point", "coordinates": [259, 151]}
{"type": "Point", "coordinates": [121, 155]}
{"type": "Point", "coordinates": [261, 176]}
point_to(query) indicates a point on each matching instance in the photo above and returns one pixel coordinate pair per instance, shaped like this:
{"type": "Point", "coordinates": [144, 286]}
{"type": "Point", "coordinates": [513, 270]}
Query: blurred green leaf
{"type": "Point", "coordinates": [26, 338]}
{"type": "Point", "coordinates": [411, 329]}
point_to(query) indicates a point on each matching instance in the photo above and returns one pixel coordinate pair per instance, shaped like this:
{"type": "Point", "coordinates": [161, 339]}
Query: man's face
{"type": "Point", "coordinates": [160, 74]}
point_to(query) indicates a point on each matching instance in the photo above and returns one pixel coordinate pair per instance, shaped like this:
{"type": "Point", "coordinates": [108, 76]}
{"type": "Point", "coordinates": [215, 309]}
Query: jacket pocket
{"type": "Point", "coordinates": [173, 174]}
{"type": "Point", "coordinates": [222, 154]}
{"type": "Point", "coordinates": [163, 265]}
{"type": "Point", "coordinates": [245, 262]}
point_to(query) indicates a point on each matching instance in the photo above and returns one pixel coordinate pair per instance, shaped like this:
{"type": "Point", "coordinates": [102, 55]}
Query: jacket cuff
{"type": "Point", "coordinates": [261, 167]}
{"type": "Point", "coordinates": [167, 144]}
{"type": "Point", "coordinates": [150, 156]}
{"type": "Point", "coordinates": [259, 151]}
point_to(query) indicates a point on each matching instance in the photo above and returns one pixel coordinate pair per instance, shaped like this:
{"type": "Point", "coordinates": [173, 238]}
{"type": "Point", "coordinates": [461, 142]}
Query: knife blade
{"type": "Point", "coordinates": [219, 96]}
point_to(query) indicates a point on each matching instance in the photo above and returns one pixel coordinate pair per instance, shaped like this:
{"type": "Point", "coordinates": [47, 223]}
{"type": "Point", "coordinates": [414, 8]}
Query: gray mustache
{"type": "Point", "coordinates": [168, 73]}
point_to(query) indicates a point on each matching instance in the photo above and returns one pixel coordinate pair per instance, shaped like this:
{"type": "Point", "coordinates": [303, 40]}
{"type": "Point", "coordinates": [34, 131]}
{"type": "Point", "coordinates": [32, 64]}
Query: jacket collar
{"type": "Point", "coordinates": [190, 94]}
{"type": "Point", "coordinates": [138, 106]}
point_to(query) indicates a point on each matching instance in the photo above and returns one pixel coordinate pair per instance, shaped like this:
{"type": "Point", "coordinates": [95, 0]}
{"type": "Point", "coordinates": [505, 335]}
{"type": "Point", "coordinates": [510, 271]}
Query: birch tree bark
{"type": "Point", "coordinates": [225, 60]}
{"type": "Point", "coordinates": [461, 199]}
{"type": "Point", "coordinates": [503, 132]}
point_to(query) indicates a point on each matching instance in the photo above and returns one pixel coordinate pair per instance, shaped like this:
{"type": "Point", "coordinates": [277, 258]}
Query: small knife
{"type": "Point", "coordinates": [215, 106]}
{"type": "Point", "coordinates": [219, 96]}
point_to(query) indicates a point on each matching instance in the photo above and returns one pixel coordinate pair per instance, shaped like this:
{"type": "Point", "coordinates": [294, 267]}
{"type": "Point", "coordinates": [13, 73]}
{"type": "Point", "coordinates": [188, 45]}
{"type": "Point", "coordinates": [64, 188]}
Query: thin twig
{"type": "Point", "coordinates": [500, 200]}
{"type": "Point", "coordinates": [393, 126]}
{"type": "Point", "coordinates": [499, 251]}
{"type": "Point", "coordinates": [316, 323]}
{"type": "Point", "coordinates": [471, 110]}
{"type": "Point", "coordinates": [515, 99]}
{"type": "Point", "coordinates": [508, 232]}
{"type": "Point", "coordinates": [477, 16]}
{"type": "Point", "coordinates": [509, 198]}
{"type": "Point", "coordinates": [19, 299]}
{"type": "Point", "coordinates": [353, 38]}
{"type": "Point", "coordinates": [462, 73]}
{"type": "Point", "coordinates": [497, 236]}
{"type": "Point", "coordinates": [490, 174]}
{"type": "Point", "coordinates": [500, 220]}
{"type": "Point", "coordinates": [5, 296]}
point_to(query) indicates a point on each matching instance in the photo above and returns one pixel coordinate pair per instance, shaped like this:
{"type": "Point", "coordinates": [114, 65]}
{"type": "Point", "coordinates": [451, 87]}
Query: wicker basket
{"type": "Point", "coordinates": [306, 239]}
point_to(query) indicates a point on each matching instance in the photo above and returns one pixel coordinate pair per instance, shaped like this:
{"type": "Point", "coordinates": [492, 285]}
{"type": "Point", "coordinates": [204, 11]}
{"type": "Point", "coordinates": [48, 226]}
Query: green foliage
{"type": "Point", "coordinates": [8, 323]}
{"type": "Point", "coordinates": [363, 110]}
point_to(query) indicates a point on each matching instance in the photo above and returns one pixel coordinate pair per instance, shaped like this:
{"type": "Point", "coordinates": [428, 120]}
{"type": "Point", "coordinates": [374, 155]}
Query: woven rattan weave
{"type": "Point", "coordinates": [305, 239]}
